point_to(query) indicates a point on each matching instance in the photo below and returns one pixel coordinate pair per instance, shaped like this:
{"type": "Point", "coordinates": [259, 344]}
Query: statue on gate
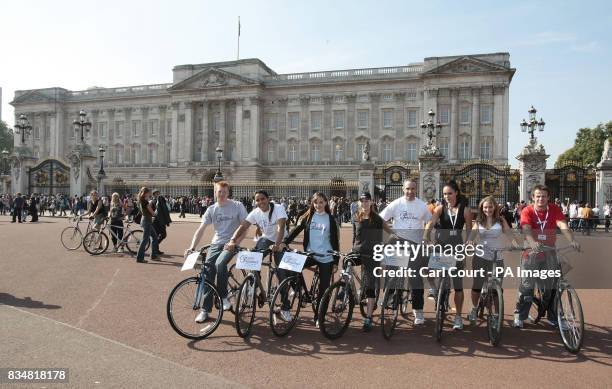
{"type": "Point", "coordinates": [366, 152]}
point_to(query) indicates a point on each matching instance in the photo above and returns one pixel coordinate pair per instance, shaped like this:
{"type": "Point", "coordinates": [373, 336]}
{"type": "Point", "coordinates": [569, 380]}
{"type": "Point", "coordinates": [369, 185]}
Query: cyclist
{"type": "Point", "coordinates": [453, 215]}
{"type": "Point", "coordinates": [225, 215]}
{"type": "Point", "coordinates": [410, 214]}
{"type": "Point", "coordinates": [539, 222]}
{"type": "Point", "coordinates": [116, 218]}
{"type": "Point", "coordinates": [321, 234]}
{"type": "Point", "coordinates": [96, 209]}
{"type": "Point", "coordinates": [489, 228]}
{"type": "Point", "coordinates": [270, 220]}
{"type": "Point", "coordinates": [368, 227]}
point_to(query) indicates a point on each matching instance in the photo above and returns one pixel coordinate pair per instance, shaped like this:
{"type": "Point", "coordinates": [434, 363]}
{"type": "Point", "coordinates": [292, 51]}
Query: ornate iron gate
{"type": "Point", "coordinates": [571, 181]}
{"type": "Point", "coordinates": [478, 180]}
{"type": "Point", "coordinates": [49, 177]}
{"type": "Point", "coordinates": [389, 183]}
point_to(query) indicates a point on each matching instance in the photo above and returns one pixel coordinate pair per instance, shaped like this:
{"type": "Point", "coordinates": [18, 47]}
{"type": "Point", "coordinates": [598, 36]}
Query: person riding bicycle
{"type": "Point", "coordinates": [96, 209]}
{"type": "Point", "coordinates": [321, 234]}
{"type": "Point", "coordinates": [453, 215]}
{"type": "Point", "coordinates": [539, 222]}
{"type": "Point", "coordinates": [270, 220]}
{"type": "Point", "coordinates": [489, 230]}
{"type": "Point", "coordinates": [410, 214]}
{"type": "Point", "coordinates": [368, 227]}
{"type": "Point", "coordinates": [225, 215]}
{"type": "Point", "coordinates": [116, 221]}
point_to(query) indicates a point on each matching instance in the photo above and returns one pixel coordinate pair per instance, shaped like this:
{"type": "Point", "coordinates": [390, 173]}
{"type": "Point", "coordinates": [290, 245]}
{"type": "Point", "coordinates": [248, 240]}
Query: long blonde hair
{"type": "Point", "coordinates": [115, 200]}
{"type": "Point", "coordinates": [481, 218]}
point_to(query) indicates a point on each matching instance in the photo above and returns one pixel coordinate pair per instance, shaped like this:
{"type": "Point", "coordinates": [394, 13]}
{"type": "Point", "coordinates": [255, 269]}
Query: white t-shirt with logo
{"type": "Point", "coordinates": [409, 218]}
{"type": "Point", "coordinates": [226, 219]}
{"type": "Point", "coordinates": [267, 225]}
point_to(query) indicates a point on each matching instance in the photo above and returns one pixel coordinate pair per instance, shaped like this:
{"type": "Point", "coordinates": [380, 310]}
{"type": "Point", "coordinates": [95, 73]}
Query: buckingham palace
{"type": "Point", "coordinates": [281, 127]}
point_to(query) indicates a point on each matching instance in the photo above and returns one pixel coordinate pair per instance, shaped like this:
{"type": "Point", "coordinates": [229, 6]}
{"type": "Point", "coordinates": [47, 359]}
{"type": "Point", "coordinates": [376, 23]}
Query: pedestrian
{"type": "Point", "coordinates": [161, 220]}
{"type": "Point", "coordinates": [116, 222]}
{"type": "Point", "coordinates": [147, 225]}
{"type": "Point", "coordinates": [18, 205]}
{"type": "Point", "coordinates": [33, 210]}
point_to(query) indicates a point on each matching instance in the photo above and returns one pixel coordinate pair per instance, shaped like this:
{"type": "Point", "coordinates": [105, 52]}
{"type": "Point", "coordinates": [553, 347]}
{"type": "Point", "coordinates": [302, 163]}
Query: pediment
{"type": "Point", "coordinates": [32, 97]}
{"type": "Point", "coordinates": [212, 78]}
{"type": "Point", "coordinates": [467, 65]}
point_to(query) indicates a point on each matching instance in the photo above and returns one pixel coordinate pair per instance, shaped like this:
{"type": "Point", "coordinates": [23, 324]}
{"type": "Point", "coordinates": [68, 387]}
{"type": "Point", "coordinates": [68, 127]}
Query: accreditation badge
{"type": "Point", "coordinates": [542, 237]}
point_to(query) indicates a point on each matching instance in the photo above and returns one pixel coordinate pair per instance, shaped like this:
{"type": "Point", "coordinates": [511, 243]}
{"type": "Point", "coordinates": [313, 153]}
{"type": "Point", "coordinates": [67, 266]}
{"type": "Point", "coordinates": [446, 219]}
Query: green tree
{"type": "Point", "coordinates": [588, 145]}
{"type": "Point", "coordinates": [6, 137]}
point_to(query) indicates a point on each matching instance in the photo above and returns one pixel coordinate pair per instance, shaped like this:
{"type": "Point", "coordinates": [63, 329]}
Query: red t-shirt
{"type": "Point", "coordinates": [529, 216]}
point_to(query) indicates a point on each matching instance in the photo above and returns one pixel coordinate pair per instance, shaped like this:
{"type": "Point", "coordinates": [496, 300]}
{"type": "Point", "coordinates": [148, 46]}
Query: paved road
{"type": "Point", "coordinates": [104, 318]}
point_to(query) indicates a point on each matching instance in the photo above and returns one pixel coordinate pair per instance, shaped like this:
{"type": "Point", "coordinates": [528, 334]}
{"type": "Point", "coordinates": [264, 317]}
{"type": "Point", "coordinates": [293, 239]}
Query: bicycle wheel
{"type": "Point", "coordinates": [537, 310]}
{"type": "Point", "coordinates": [336, 309]}
{"type": "Point", "coordinates": [244, 314]}
{"type": "Point", "coordinates": [95, 242]}
{"type": "Point", "coordinates": [389, 311]}
{"type": "Point", "coordinates": [570, 319]}
{"type": "Point", "coordinates": [235, 279]}
{"type": "Point", "coordinates": [184, 303]}
{"type": "Point", "coordinates": [72, 238]}
{"type": "Point", "coordinates": [495, 313]}
{"type": "Point", "coordinates": [291, 290]}
{"type": "Point", "coordinates": [441, 307]}
{"type": "Point", "coordinates": [133, 239]}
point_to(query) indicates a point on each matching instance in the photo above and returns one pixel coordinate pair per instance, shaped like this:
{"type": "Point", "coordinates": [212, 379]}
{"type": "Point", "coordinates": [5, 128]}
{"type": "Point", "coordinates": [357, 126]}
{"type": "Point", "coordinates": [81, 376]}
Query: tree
{"type": "Point", "coordinates": [588, 145]}
{"type": "Point", "coordinates": [6, 137]}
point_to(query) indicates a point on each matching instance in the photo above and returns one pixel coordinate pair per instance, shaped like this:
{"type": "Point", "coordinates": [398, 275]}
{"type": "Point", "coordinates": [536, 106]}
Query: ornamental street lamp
{"type": "Point", "coordinates": [101, 172]}
{"type": "Point", "coordinates": [431, 129]}
{"type": "Point", "coordinates": [533, 124]}
{"type": "Point", "coordinates": [23, 127]}
{"type": "Point", "coordinates": [5, 162]}
{"type": "Point", "coordinates": [82, 124]}
{"type": "Point", "coordinates": [218, 175]}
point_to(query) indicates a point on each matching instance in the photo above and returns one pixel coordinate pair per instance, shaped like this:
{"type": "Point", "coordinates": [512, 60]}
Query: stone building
{"type": "Point", "coordinates": [301, 126]}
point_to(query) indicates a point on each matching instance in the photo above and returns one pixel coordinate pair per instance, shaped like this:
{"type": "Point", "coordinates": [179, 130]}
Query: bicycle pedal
{"type": "Point", "coordinates": [261, 300]}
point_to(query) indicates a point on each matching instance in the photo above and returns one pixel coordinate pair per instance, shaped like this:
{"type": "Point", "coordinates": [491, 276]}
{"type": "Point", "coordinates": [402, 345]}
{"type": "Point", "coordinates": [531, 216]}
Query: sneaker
{"type": "Point", "coordinates": [518, 323]}
{"type": "Point", "coordinates": [367, 324]}
{"type": "Point", "coordinates": [155, 258]}
{"type": "Point", "coordinates": [419, 319]}
{"type": "Point", "coordinates": [432, 294]}
{"type": "Point", "coordinates": [119, 250]}
{"type": "Point", "coordinates": [458, 324]}
{"type": "Point", "coordinates": [286, 315]}
{"type": "Point", "coordinates": [202, 316]}
{"type": "Point", "coordinates": [226, 304]}
{"type": "Point", "coordinates": [317, 323]}
{"type": "Point", "coordinates": [472, 316]}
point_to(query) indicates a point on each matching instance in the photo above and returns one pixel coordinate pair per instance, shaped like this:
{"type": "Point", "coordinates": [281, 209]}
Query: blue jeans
{"type": "Point", "coordinates": [527, 285]}
{"type": "Point", "coordinates": [215, 264]}
{"type": "Point", "coordinates": [148, 233]}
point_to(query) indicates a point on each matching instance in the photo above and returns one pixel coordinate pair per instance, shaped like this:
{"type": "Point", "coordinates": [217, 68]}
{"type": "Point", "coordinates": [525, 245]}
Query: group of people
{"type": "Point", "coordinates": [406, 219]}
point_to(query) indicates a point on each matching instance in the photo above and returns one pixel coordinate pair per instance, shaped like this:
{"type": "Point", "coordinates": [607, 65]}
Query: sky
{"type": "Point", "coordinates": [561, 49]}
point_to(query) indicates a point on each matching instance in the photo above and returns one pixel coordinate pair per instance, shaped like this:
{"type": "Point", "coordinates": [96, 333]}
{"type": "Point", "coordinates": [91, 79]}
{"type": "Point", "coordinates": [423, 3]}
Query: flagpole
{"type": "Point", "coordinates": [238, 51]}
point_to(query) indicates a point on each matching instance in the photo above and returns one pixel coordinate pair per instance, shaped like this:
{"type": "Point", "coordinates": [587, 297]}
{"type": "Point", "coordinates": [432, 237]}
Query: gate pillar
{"type": "Point", "coordinates": [366, 178]}
{"type": "Point", "coordinates": [81, 159]}
{"type": "Point", "coordinates": [429, 175]}
{"type": "Point", "coordinates": [21, 161]}
{"type": "Point", "coordinates": [603, 186]}
{"type": "Point", "coordinates": [532, 167]}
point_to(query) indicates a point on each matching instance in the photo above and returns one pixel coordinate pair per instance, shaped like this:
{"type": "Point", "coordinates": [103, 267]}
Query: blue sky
{"type": "Point", "coordinates": [561, 50]}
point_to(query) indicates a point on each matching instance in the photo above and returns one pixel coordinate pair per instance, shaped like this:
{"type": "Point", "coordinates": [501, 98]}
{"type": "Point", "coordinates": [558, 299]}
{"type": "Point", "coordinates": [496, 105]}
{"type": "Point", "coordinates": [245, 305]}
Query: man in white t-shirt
{"type": "Point", "coordinates": [225, 215]}
{"type": "Point", "coordinates": [410, 215]}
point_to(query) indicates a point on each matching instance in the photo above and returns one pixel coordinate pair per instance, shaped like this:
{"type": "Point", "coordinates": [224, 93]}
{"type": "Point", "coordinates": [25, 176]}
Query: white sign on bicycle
{"type": "Point", "coordinates": [292, 261]}
{"type": "Point", "coordinates": [249, 260]}
{"type": "Point", "coordinates": [190, 261]}
{"type": "Point", "coordinates": [441, 261]}
{"type": "Point", "coordinates": [396, 260]}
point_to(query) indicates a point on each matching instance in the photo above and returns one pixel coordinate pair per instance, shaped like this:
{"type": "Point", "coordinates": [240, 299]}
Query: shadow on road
{"type": "Point", "coordinates": [26, 302]}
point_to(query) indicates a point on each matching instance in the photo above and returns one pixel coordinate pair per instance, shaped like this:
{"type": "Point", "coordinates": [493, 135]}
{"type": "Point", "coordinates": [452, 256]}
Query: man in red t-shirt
{"type": "Point", "coordinates": [539, 222]}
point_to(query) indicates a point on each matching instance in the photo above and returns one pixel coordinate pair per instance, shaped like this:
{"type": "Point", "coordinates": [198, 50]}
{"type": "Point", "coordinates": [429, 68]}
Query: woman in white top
{"type": "Point", "coordinates": [489, 229]}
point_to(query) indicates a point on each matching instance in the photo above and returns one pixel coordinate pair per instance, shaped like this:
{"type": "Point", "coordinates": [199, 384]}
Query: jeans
{"type": "Point", "coordinates": [17, 212]}
{"type": "Point", "coordinates": [525, 298]}
{"type": "Point", "coordinates": [117, 229]}
{"type": "Point", "coordinates": [281, 274]}
{"type": "Point", "coordinates": [215, 264]}
{"type": "Point", "coordinates": [149, 233]}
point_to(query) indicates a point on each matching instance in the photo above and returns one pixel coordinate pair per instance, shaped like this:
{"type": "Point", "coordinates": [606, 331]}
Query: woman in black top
{"type": "Point", "coordinates": [147, 225]}
{"type": "Point", "coordinates": [452, 216]}
{"type": "Point", "coordinates": [368, 232]}
{"type": "Point", "coordinates": [116, 221]}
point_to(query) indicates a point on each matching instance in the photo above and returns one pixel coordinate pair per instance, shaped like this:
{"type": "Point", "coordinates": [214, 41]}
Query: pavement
{"type": "Point", "coordinates": [104, 318]}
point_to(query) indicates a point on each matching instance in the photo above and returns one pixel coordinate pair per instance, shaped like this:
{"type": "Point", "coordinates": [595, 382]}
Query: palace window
{"type": "Point", "coordinates": [153, 127]}
{"type": "Point", "coordinates": [486, 113]}
{"type": "Point", "coordinates": [363, 118]}
{"type": "Point", "coordinates": [315, 151]}
{"type": "Point", "coordinates": [465, 149]}
{"type": "Point", "coordinates": [293, 120]}
{"type": "Point", "coordinates": [315, 120]}
{"type": "Point", "coordinates": [443, 145]}
{"type": "Point", "coordinates": [387, 118]}
{"type": "Point", "coordinates": [387, 152]}
{"type": "Point", "coordinates": [412, 118]}
{"type": "Point", "coordinates": [270, 122]}
{"type": "Point", "coordinates": [411, 151]}
{"type": "Point", "coordinates": [485, 148]}
{"type": "Point", "coordinates": [338, 152]}
{"type": "Point", "coordinates": [338, 119]}
{"type": "Point", "coordinates": [102, 129]}
{"type": "Point", "coordinates": [444, 114]}
{"type": "Point", "coordinates": [271, 151]}
{"type": "Point", "coordinates": [135, 128]}
{"type": "Point", "coordinates": [360, 148]}
{"type": "Point", "coordinates": [293, 152]}
{"type": "Point", "coordinates": [464, 116]}
{"type": "Point", "coordinates": [118, 129]}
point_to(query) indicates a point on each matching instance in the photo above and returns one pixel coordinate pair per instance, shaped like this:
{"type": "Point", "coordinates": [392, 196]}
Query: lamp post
{"type": "Point", "coordinates": [431, 129]}
{"type": "Point", "coordinates": [218, 175]}
{"type": "Point", "coordinates": [82, 124]}
{"type": "Point", "coordinates": [101, 172]}
{"type": "Point", "coordinates": [23, 127]}
{"type": "Point", "coordinates": [5, 162]}
{"type": "Point", "coordinates": [533, 124]}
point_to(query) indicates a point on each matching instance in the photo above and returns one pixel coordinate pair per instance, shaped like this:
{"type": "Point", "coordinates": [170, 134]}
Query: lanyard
{"type": "Point", "coordinates": [540, 223]}
{"type": "Point", "coordinates": [450, 216]}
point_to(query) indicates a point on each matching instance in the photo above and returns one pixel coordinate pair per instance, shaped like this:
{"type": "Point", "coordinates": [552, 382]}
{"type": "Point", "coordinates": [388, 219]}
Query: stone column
{"type": "Point", "coordinates": [452, 144]}
{"type": "Point", "coordinates": [476, 123]}
{"type": "Point", "coordinates": [240, 140]}
{"type": "Point", "coordinates": [429, 175]}
{"type": "Point", "coordinates": [175, 144]}
{"type": "Point", "coordinates": [188, 145]}
{"type": "Point", "coordinates": [498, 131]}
{"type": "Point", "coordinates": [205, 136]}
{"type": "Point", "coordinates": [222, 129]}
{"type": "Point", "coordinates": [532, 167]}
{"type": "Point", "coordinates": [255, 129]}
{"type": "Point", "coordinates": [603, 188]}
{"type": "Point", "coordinates": [366, 177]}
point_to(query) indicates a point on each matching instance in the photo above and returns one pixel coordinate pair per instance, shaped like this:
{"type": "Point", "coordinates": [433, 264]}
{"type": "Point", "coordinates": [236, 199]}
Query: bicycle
{"type": "Point", "coordinates": [244, 312]}
{"type": "Point", "coordinates": [95, 242]}
{"type": "Point", "coordinates": [492, 299]}
{"type": "Point", "coordinates": [570, 319]}
{"type": "Point", "coordinates": [443, 293]}
{"type": "Point", "coordinates": [395, 301]}
{"type": "Point", "coordinates": [72, 237]}
{"type": "Point", "coordinates": [342, 295]}
{"type": "Point", "coordinates": [293, 289]}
